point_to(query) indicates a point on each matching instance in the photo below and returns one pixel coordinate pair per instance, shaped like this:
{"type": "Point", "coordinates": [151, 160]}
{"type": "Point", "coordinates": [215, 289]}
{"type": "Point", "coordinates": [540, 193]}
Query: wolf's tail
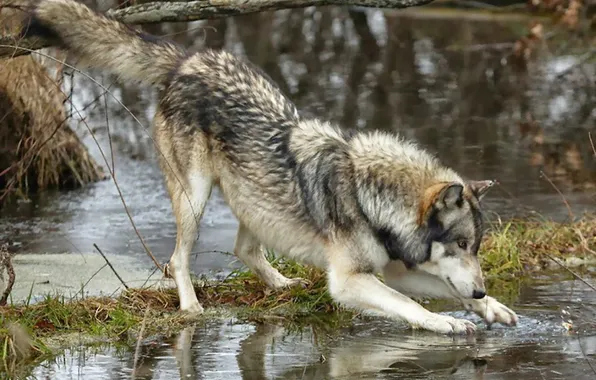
{"type": "Point", "coordinates": [97, 41]}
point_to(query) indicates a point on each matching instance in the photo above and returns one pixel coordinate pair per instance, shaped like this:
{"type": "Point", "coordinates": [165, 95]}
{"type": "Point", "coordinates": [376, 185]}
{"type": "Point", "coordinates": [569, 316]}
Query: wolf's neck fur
{"type": "Point", "coordinates": [392, 176]}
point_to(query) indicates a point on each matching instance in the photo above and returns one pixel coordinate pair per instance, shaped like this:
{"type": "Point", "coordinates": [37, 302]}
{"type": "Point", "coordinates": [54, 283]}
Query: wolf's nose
{"type": "Point", "coordinates": [478, 294]}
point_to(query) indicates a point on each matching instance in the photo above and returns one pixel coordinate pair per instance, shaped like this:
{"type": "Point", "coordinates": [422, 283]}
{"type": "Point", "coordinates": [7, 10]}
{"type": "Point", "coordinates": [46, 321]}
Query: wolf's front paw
{"type": "Point", "coordinates": [447, 325]}
{"type": "Point", "coordinates": [492, 311]}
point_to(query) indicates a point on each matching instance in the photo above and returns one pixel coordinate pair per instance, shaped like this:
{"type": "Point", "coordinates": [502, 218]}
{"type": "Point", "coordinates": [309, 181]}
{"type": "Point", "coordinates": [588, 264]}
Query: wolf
{"type": "Point", "coordinates": [355, 204]}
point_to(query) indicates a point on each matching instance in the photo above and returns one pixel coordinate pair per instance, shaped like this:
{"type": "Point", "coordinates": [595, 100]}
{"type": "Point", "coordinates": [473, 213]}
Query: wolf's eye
{"type": "Point", "coordinates": [462, 244]}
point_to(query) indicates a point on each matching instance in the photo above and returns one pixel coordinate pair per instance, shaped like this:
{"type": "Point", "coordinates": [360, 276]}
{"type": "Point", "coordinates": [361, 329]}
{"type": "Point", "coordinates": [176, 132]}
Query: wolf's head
{"type": "Point", "coordinates": [450, 212]}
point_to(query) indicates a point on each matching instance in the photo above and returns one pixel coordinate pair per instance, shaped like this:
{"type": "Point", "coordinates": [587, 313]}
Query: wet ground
{"type": "Point", "coordinates": [538, 348]}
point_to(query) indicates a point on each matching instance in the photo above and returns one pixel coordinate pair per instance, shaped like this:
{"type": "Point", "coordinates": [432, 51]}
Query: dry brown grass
{"type": "Point", "coordinates": [37, 148]}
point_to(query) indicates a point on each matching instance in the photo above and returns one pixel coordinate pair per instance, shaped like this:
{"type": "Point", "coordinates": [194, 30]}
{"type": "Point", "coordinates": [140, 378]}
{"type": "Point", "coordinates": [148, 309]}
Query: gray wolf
{"type": "Point", "coordinates": [355, 204]}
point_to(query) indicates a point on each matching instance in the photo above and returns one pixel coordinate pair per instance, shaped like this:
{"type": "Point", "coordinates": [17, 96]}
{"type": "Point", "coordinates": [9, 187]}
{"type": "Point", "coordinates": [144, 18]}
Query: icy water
{"type": "Point", "coordinates": [538, 348]}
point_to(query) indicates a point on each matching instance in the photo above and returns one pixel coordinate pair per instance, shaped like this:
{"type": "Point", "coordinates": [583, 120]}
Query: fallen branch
{"type": "Point", "coordinates": [160, 11]}
{"type": "Point", "coordinates": [181, 11]}
{"type": "Point", "coordinates": [110, 265]}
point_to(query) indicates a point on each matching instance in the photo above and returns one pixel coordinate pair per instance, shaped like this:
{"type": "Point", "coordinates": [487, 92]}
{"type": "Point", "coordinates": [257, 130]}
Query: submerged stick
{"type": "Point", "coordinates": [110, 265]}
{"type": "Point", "coordinates": [571, 215]}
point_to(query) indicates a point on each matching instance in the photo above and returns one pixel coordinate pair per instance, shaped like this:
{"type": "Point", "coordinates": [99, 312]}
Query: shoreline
{"type": "Point", "coordinates": [510, 252]}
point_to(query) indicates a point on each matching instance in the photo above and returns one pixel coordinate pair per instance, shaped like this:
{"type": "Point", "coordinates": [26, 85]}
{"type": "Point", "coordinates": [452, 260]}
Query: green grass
{"type": "Point", "coordinates": [519, 247]}
{"type": "Point", "coordinates": [510, 252]}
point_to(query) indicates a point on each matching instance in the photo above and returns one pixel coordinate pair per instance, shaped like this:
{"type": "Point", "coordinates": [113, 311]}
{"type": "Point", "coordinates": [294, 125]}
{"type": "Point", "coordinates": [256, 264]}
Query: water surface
{"type": "Point", "coordinates": [538, 348]}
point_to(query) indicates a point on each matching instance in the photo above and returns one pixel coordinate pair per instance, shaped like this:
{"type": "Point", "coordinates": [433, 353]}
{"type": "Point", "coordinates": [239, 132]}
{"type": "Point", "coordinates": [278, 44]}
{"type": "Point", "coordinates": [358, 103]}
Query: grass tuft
{"type": "Point", "coordinates": [523, 246]}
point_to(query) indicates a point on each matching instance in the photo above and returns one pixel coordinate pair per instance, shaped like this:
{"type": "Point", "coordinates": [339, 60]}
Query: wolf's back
{"type": "Point", "coordinates": [97, 41]}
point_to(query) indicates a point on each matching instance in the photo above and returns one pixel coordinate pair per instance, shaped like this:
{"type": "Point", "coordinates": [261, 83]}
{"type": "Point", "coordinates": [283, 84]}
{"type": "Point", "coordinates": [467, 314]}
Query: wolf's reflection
{"type": "Point", "coordinates": [183, 352]}
{"type": "Point", "coordinates": [410, 354]}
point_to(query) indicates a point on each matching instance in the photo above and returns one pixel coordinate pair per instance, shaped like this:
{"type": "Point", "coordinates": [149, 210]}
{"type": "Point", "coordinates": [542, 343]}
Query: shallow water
{"type": "Point", "coordinates": [538, 348]}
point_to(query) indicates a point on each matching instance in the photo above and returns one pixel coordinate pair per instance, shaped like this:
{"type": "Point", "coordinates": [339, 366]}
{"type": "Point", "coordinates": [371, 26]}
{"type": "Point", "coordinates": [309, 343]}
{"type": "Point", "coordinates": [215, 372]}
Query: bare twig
{"type": "Point", "coordinates": [592, 143]}
{"type": "Point", "coordinates": [196, 254]}
{"type": "Point", "coordinates": [105, 99]}
{"type": "Point", "coordinates": [110, 265]}
{"type": "Point", "coordinates": [88, 281]}
{"type": "Point", "coordinates": [148, 278]}
{"type": "Point", "coordinates": [570, 271]}
{"type": "Point", "coordinates": [579, 342]}
{"type": "Point", "coordinates": [5, 262]}
{"type": "Point", "coordinates": [571, 215]}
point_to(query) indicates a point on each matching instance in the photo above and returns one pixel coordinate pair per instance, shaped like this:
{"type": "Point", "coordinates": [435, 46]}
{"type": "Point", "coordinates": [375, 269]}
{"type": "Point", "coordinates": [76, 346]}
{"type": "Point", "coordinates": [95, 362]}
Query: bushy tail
{"type": "Point", "coordinates": [97, 41]}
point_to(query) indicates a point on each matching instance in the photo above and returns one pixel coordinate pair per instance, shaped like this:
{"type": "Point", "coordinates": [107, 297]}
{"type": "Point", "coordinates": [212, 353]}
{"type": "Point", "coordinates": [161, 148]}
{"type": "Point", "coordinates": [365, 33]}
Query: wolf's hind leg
{"type": "Point", "coordinates": [188, 205]}
{"type": "Point", "coordinates": [248, 250]}
{"type": "Point", "coordinates": [189, 191]}
{"type": "Point", "coordinates": [186, 165]}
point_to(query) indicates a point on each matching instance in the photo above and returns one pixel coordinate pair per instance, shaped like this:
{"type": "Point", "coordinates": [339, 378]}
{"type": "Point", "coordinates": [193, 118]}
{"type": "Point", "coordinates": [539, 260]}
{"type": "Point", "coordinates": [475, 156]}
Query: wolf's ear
{"type": "Point", "coordinates": [479, 188]}
{"type": "Point", "coordinates": [450, 196]}
{"type": "Point", "coordinates": [440, 196]}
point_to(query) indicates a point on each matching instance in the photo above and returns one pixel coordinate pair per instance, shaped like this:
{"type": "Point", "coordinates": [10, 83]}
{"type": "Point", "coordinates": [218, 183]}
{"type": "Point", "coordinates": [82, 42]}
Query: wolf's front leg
{"type": "Point", "coordinates": [420, 284]}
{"type": "Point", "coordinates": [364, 292]}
